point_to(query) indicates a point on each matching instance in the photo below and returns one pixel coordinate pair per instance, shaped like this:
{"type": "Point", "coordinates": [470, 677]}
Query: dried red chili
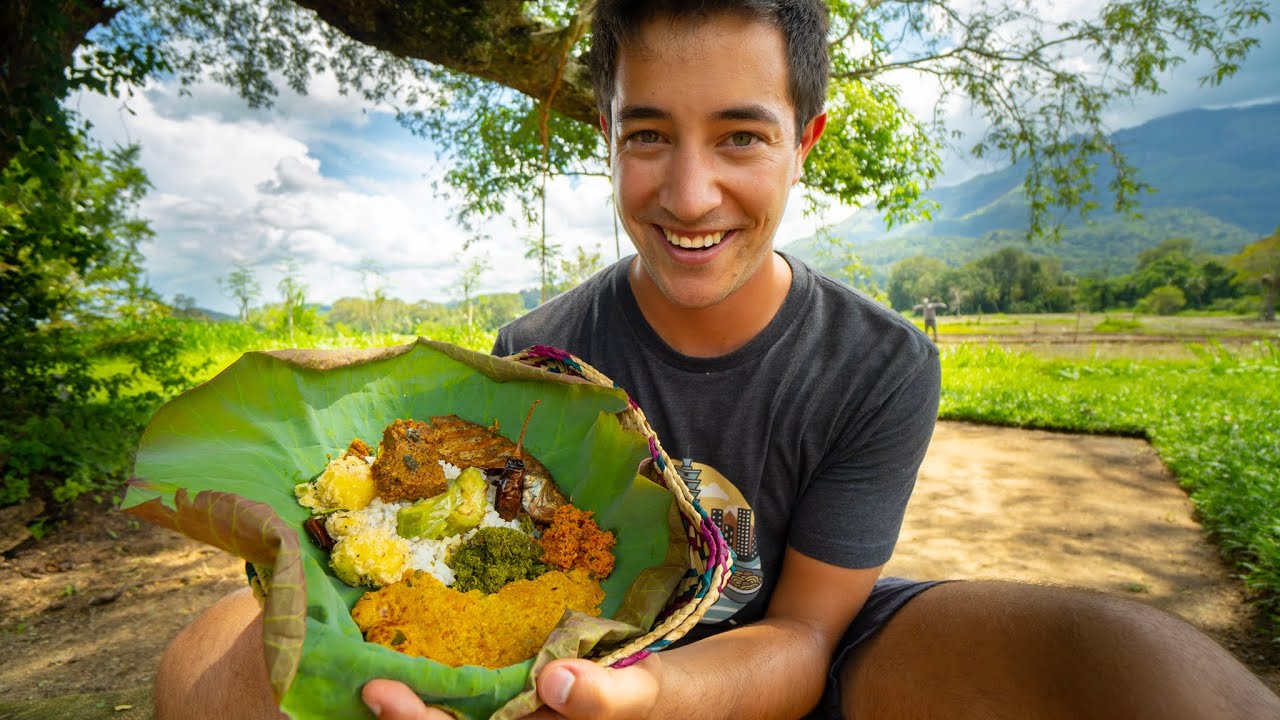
{"type": "Point", "coordinates": [511, 482]}
{"type": "Point", "coordinates": [314, 526]}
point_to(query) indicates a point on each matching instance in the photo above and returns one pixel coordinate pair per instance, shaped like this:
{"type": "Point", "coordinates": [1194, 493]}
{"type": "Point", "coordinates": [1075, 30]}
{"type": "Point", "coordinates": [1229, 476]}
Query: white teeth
{"type": "Point", "coordinates": [700, 241]}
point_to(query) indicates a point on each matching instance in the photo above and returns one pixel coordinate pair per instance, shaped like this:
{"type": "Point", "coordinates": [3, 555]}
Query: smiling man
{"type": "Point", "coordinates": [801, 411]}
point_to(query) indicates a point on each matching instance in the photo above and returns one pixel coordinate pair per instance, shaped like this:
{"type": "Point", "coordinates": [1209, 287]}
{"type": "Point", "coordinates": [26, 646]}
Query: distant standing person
{"type": "Point", "coordinates": [930, 310]}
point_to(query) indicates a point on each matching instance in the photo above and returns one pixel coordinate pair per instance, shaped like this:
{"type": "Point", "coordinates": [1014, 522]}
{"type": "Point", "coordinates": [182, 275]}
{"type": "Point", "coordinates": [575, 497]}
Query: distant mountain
{"type": "Point", "coordinates": [1216, 175]}
{"type": "Point", "coordinates": [214, 315]}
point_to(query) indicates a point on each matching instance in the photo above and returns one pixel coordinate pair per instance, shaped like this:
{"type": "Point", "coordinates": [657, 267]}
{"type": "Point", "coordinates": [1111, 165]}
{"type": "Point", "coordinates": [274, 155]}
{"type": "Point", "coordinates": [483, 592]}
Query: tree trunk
{"type": "Point", "coordinates": [37, 41]}
{"type": "Point", "coordinates": [490, 39]}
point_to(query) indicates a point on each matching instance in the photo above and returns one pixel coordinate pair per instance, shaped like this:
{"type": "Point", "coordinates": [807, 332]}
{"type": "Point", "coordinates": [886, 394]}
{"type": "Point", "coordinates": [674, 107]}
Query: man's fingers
{"type": "Point", "coordinates": [391, 700]}
{"type": "Point", "coordinates": [583, 690]}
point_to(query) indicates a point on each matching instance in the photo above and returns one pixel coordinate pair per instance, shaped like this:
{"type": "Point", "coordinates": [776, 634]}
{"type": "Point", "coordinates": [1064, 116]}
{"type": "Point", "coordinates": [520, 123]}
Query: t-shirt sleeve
{"type": "Point", "coordinates": [502, 346]}
{"type": "Point", "coordinates": [850, 512]}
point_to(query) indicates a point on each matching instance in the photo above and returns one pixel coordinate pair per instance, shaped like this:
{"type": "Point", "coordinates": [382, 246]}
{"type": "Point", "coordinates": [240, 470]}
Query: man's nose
{"type": "Point", "coordinates": [691, 189]}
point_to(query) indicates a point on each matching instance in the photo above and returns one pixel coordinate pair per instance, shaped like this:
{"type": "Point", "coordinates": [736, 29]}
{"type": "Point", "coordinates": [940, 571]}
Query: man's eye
{"type": "Point", "coordinates": [645, 137]}
{"type": "Point", "coordinates": [742, 139]}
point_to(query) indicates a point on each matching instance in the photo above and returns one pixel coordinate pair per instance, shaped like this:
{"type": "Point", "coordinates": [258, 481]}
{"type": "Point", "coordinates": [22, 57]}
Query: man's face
{"type": "Point", "coordinates": [704, 152]}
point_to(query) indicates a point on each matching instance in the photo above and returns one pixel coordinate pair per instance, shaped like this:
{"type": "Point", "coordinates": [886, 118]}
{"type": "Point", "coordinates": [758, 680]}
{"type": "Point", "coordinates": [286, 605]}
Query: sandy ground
{"type": "Point", "coordinates": [90, 609]}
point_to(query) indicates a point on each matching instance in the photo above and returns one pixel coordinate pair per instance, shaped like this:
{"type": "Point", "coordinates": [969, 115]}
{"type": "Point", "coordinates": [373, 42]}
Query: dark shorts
{"type": "Point", "coordinates": [887, 598]}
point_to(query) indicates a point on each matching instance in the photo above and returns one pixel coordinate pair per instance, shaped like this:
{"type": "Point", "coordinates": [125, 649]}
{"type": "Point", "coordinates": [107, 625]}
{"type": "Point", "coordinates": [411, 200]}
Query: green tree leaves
{"type": "Point", "coordinates": [1260, 262]}
{"type": "Point", "coordinates": [242, 285]}
{"type": "Point", "coordinates": [84, 354]}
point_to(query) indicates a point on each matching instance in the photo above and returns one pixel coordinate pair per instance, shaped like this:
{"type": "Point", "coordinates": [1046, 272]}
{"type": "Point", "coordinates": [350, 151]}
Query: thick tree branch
{"type": "Point", "coordinates": [489, 39]}
{"type": "Point", "coordinates": [37, 43]}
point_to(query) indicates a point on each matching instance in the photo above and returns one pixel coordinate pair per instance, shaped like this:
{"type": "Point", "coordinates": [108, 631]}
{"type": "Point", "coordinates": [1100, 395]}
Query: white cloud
{"type": "Point", "coordinates": [233, 188]}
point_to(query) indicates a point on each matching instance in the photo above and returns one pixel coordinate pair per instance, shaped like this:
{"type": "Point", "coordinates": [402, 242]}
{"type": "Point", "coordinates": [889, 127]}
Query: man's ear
{"type": "Point", "coordinates": [608, 141]}
{"type": "Point", "coordinates": [808, 138]}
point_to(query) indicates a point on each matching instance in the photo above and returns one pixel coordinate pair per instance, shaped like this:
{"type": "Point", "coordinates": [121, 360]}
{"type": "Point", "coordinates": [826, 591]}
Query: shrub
{"type": "Point", "coordinates": [1164, 300]}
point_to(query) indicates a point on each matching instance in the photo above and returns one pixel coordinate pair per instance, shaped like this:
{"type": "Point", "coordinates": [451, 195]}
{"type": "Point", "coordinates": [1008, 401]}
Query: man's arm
{"type": "Point", "coordinates": [776, 668]}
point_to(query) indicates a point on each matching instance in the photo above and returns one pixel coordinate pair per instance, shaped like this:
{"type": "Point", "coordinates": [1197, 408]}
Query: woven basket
{"type": "Point", "coordinates": [710, 563]}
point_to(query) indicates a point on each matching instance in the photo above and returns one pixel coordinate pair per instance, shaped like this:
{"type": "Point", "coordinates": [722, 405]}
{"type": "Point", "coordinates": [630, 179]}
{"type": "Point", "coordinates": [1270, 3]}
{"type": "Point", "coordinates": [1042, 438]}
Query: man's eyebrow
{"type": "Point", "coordinates": [752, 113]}
{"type": "Point", "coordinates": [642, 112]}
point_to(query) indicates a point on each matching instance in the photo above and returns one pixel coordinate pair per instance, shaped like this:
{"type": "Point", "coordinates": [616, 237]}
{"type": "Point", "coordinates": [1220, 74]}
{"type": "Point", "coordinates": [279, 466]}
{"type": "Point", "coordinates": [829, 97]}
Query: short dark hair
{"type": "Point", "coordinates": [803, 24]}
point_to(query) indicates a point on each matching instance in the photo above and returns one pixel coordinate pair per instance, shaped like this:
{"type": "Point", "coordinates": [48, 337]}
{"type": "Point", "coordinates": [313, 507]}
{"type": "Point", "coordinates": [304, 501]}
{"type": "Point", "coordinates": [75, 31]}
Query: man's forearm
{"type": "Point", "coordinates": [772, 669]}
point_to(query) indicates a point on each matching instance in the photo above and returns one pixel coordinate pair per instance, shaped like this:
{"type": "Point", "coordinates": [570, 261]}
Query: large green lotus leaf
{"type": "Point", "coordinates": [271, 420]}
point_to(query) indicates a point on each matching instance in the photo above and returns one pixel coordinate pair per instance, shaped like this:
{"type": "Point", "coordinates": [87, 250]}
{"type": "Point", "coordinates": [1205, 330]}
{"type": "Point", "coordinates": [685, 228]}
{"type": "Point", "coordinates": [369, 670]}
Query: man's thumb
{"type": "Point", "coordinates": [581, 689]}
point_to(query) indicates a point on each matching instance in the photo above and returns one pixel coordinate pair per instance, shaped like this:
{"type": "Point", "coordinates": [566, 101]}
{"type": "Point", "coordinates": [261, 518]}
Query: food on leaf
{"type": "Point", "coordinates": [457, 510]}
{"type": "Point", "coordinates": [359, 448]}
{"type": "Point", "coordinates": [494, 557]}
{"type": "Point", "coordinates": [345, 484]}
{"type": "Point", "coordinates": [467, 541]}
{"type": "Point", "coordinates": [408, 463]}
{"type": "Point", "coordinates": [420, 616]}
{"type": "Point", "coordinates": [270, 417]}
{"type": "Point", "coordinates": [375, 557]}
{"type": "Point", "coordinates": [511, 481]}
{"type": "Point", "coordinates": [542, 498]}
{"type": "Point", "coordinates": [575, 541]}
{"type": "Point", "coordinates": [315, 528]}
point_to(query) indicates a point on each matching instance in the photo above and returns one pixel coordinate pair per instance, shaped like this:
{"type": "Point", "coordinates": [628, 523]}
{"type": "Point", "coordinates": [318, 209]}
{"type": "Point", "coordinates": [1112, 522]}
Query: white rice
{"type": "Point", "coordinates": [424, 554]}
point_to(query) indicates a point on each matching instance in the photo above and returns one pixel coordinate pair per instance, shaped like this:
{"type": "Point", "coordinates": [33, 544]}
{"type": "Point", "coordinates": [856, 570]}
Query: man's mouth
{"type": "Point", "coordinates": [694, 242]}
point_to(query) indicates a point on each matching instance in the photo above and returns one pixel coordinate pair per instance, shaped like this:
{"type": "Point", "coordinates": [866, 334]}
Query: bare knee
{"type": "Point", "coordinates": [215, 667]}
{"type": "Point", "coordinates": [1016, 650]}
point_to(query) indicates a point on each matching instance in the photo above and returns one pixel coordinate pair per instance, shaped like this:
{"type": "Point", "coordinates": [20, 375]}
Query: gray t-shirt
{"type": "Point", "coordinates": [810, 435]}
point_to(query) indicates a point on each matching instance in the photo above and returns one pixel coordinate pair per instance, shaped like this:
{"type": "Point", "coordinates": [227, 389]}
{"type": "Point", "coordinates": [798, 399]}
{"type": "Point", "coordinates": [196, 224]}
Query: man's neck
{"type": "Point", "coordinates": [721, 328]}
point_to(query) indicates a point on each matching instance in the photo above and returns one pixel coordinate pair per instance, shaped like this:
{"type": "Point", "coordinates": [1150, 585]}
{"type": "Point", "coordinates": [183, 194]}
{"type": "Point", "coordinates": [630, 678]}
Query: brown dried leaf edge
{"type": "Point", "coordinates": [251, 530]}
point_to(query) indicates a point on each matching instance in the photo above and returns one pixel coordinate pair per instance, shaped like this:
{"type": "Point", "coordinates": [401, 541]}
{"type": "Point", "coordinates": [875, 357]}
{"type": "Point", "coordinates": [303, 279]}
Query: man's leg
{"type": "Point", "coordinates": [215, 667]}
{"type": "Point", "coordinates": [1008, 650]}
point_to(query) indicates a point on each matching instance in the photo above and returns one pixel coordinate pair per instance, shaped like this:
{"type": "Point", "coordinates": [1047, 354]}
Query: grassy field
{"type": "Point", "coordinates": [1204, 391]}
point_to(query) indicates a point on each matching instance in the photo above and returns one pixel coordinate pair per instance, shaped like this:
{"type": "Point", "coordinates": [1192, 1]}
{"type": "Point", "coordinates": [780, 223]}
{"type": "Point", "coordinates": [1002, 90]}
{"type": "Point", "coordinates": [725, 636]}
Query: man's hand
{"type": "Point", "coordinates": [572, 689]}
{"type": "Point", "coordinates": [581, 690]}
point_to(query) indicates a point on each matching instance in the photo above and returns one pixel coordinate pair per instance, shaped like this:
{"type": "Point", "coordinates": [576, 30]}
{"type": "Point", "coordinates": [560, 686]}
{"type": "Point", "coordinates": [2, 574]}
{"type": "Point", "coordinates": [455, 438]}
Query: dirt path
{"type": "Point", "coordinates": [1078, 510]}
{"type": "Point", "coordinates": [90, 609]}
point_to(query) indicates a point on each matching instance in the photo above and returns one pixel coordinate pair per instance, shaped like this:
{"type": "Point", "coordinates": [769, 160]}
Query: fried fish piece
{"type": "Point", "coordinates": [466, 444]}
{"type": "Point", "coordinates": [408, 463]}
{"type": "Point", "coordinates": [542, 498]}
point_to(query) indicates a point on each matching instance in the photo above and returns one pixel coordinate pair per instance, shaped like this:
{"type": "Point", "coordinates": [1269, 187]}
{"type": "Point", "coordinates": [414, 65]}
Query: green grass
{"type": "Point", "coordinates": [1213, 420]}
{"type": "Point", "coordinates": [1116, 325]}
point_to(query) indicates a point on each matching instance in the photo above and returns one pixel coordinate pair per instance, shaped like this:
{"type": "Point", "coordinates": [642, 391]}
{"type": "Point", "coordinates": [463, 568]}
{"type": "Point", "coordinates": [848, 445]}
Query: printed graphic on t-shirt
{"type": "Point", "coordinates": [731, 513]}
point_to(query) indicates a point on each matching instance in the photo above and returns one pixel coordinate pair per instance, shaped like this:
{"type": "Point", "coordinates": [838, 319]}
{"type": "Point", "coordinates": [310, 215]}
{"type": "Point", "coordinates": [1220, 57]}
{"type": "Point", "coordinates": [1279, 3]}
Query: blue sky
{"type": "Point", "coordinates": [329, 182]}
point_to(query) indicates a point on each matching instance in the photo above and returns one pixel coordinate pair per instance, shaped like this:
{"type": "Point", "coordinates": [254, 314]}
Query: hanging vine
{"type": "Point", "coordinates": [576, 27]}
